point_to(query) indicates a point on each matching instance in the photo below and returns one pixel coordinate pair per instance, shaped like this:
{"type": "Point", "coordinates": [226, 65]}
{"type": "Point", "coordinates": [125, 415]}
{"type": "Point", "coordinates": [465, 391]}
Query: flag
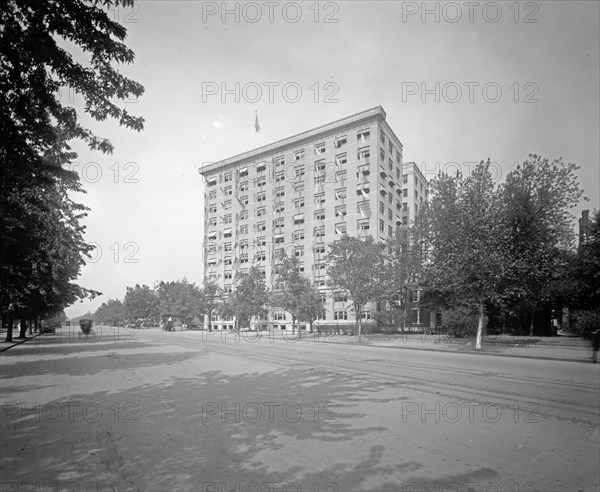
{"type": "Point", "coordinates": [256, 123]}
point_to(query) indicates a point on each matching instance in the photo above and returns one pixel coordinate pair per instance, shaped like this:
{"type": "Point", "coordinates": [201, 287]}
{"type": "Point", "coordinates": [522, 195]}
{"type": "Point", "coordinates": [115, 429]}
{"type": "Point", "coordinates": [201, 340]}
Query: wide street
{"type": "Point", "coordinates": [163, 411]}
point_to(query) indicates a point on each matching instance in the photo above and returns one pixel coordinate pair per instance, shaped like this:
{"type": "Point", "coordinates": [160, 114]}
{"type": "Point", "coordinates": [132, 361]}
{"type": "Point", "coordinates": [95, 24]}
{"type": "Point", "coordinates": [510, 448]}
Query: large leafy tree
{"type": "Point", "coordinates": [357, 268]}
{"type": "Point", "coordinates": [110, 312]}
{"type": "Point", "coordinates": [249, 299]}
{"type": "Point", "coordinates": [294, 293]}
{"type": "Point", "coordinates": [35, 130]}
{"type": "Point", "coordinates": [587, 268]}
{"type": "Point", "coordinates": [140, 302]}
{"type": "Point", "coordinates": [211, 299]}
{"type": "Point", "coordinates": [404, 255]}
{"type": "Point", "coordinates": [464, 244]}
{"type": "Point", "coordinates": [536, 199]}
{"type": "Point", "coordinates": [179, 298]}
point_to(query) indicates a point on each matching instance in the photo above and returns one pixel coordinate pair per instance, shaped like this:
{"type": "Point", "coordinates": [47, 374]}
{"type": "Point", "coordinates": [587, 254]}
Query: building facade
{"type": "Point", "coordinates": [415, 192]}
{"type": "Point", "coordinates": [299, 194]}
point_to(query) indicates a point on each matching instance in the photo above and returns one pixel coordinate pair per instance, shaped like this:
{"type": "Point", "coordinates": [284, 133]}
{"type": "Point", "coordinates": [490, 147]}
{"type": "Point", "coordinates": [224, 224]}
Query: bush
{"type": "Point", "coordinates": [461, 322]}
{"type": "Point", "coordinates": [585, 322]}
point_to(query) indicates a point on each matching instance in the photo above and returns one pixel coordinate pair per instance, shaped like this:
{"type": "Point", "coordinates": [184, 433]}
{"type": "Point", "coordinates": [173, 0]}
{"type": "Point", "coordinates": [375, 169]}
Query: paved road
{"type": "Point", "coordinates": [186, 411]}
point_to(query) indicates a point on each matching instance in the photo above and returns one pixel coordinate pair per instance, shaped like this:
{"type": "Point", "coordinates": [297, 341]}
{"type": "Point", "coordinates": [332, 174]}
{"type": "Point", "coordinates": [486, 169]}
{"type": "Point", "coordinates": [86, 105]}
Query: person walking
{"type": "Point", "coordinates": [595, 343]}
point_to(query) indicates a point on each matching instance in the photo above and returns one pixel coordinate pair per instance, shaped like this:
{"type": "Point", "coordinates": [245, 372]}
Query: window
{"type": "Point", "coordinates": [212, 181]}
{"type": "Point", "coordinates": [212, 235]}
{"type": "Point", "coordinates": [261, 167]}
{"type": "Point", "coordinates": [390, 164]}
{"type": "Point", "coordinates": [244, 200]}
{"type": "Point", "coordinates": [227, 204]}
{"type": "Point", "coordinates": [382, 155]}
{"type": "Point", "coordinates": [397, 173]}
{"type": "Point", "coordinates": [415, 296]}
{"type": "Point", "coordinates": [228, 261]}
{"type": "Point", "coordinates": [279, 207]}
{"type": "Point", "coordinates": [278, 225]}
{"type": "Point", "coordinates": [320, 215]}
{"type": "Point", "coordinates": [341, 159]}
{"type": "Point", "coordinates": [279, 239]}
{"type": "Point", "coordinates": [320, 283]}
{"type": "Point", "coordinates": [390, 198]}
{"type": "Point", "coordinates": [340, 211]}
{"type": "Point", "coordinates": [320, 179]}
{"type": "Point", "coordinates": [340, 315]}
{"type": "Point", "coordinates": [319, 249]}
{"type": "Point", "coordinates": [227, 177]}
{"type": "Point", "coordinates": [340, 299]}
{"type": "Point", "coordinates": [300, 268]}
{"type": "Point", "coordinates": [244, 229]}
{"type": "Point", "coordinates": [244, 186]}
{"type": "Point", "coordinates": [261, 226]}
{"type": "Point", "coordinates": [227, 232]}
{"type": "Point", "coordinates": [382, 207]}
{"type": "Point", "coordinates": [320, 148]}
{"type": "Point", "coordinates": [212, 221]}
{"type": "Point", "coordinates": [212, 262]}
{"type": "Point", "coordinates": [320, 268]}
{"type": "Point", "coordinates": [382, 137]}
{"type": "Point", "coordinates": [363, 225]}
{"type": "Point", "coordinates": [243, 172]}
{"type": "Point", "coordinates": [244, 215]}
{"type": "Point", "coordinates": [298, 219]}
{"type": "Point", "coordinates": [404, 207]}
{"type": "Point", "coordinates": [261, 197]}
{"type": "Point", "coordinates": [298, 235]}
{"type": "Point", "coordinates": [299, 171]}
{"type": "Point", "coordinates": [381, 225]}
{"type": "Point", "coordinates": [227, 289]}
{"type": "Point", "coordinates": [340, 141]}
{"type": "Point", "coordinates": [279, 316]}
{"type": "Point", "coordinates": [405, 192]}
{"type": "Point", "coordinates": [299, 251]}
{"type": "Point", "coordinates": [320, 165]}
{"type": "Point", "coordinates": [390, 231]}
{"type": "Point", "coordinates": [340, 176]}
{"type": "Point", "coordinates": [390, 214]}
{"type": "Point", "coordinates": [261, 241]}
{"type": "Point", "coordinates": [227, 219]}
{"type": "Point", "coordinates": [365, 314]}
{"type": "Point", "coordinates": [279, 177]}
{"type": "Point", "coordinates": [298, 187]}
{"type": "Point", "coordinates": [363, 135]}
{"type": "Point", "coordinates": [299, 203]}
{"type": "Point", "coordinates": [340, 194]}
{"type": "Point", "coordinates": [212, 208]}
{"type": "Point", "coordinates": [319, 232]}
{"type": "Point", "coordinates": [391, 147]}
{"type": "Point", "coordinates": [244, 258]}
{"type": "Point", "coordinates": [260, 211]}
{"type": "Point", "coordinates": [212, 276]}
{"type": "Point", "coordinates": [261, 182]}
{"type": "Point", "coordinates": [340, 229]}
{"type": "Point", "coordinates": [212, 195]}
{"type": "Point", "coordinates": [228, 276]}
{"type": "Point", "coordinates": [261, 256]}
{"type": "Point", "coordinates": [227, 247]}
{"type": "Point", "coordinates": [398, 157]}
{"type": "Point", "coordinates": [320, 198]}
{"type": "Point", "coordinates": [299, 154]}
{"type": "Point", "coordinates": [279, 161]}
{"type": "Point", "coordinates": [280, 192]}
{"type": "Point", "coordinates": [363, 153]}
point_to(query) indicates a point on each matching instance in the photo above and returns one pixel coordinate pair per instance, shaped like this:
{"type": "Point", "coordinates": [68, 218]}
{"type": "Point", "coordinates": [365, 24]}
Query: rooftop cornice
{"type": "Point", "coordinates": [377, 113]}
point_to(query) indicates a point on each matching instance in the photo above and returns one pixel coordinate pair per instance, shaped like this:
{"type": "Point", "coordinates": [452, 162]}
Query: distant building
{"type": "Point", "coordinates": [299, 194]}
{"type": "Point", "coordinates": [584, 224]}
{"type": "Point", "coordinates": [415, 192]}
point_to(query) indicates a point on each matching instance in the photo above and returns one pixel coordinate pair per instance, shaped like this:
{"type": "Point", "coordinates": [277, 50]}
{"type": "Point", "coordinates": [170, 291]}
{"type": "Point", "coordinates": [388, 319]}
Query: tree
{"type": "Point", "coordinates": [295, 294]}
{"type": "Point", "coordinates": [140, 302]}
{"type": "Point", "coordinates": [357, 268]}
{"type": "Point", "coordinates": [588, 264]}
{"type": "Point", "coordinates": [42, 253]}
{"type": "Point", "coordinates": [536, 199]}
{"type": "Point", "coordinates": [249, 299]}
{"type": "Point", "coordinates": [464, 244]}
{"type": "Point", "coordinates": [110, 312]}
{"type": "Point", "coordinates": [211, 295]}
{"type": "Point", "coordinates": [179, 298]}
{"type": "Point", "coordinates": [404, 259]}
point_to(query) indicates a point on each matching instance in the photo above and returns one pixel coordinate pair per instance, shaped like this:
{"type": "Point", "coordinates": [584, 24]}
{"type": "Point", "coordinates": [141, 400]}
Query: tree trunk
{"type": "Point", "coordinates": [479, 328]}
{"type": "Point", "coordinates": [23, 330]}
{"type": "Point", "coordinates": [531, 324]}
{"type": "Point", "coordinates": [9, 337]}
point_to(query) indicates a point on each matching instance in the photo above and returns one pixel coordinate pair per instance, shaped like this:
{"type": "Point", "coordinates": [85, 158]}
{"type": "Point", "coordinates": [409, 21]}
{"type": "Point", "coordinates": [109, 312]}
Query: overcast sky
{"type": "Point", "coordinates": [460, 83]}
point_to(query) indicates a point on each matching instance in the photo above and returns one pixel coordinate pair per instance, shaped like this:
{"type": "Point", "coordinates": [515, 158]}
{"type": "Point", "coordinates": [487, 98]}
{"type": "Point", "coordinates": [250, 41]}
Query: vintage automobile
{"type": "Point", "coordinates": [86, 326]}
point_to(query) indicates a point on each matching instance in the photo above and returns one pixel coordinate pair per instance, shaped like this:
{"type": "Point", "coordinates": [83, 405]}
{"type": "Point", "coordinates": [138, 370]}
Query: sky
{"type": "Point", "coordinates": [460, 82]}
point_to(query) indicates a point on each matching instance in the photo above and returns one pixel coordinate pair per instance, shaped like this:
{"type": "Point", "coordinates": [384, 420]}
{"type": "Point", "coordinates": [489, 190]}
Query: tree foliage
{"type": "Point", "coordinates": [249, 299]}
{"type": "Point", "coordinates": [178, 298]}
{"type": "Point", "coordinates": [41, 243]}
{"type": "Point", "coordinates": [110, 312]}
{"type": "Point", "coordinates": [357, 268]}
{"type": "Point", "coordinates": [140, 302]}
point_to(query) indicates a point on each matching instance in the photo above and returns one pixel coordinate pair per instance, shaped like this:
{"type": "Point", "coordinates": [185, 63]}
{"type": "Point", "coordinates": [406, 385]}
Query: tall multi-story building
{"type": "Point", "coordinates": [299, 194]}
{"type": "Point", "coordinates": [415, 192]}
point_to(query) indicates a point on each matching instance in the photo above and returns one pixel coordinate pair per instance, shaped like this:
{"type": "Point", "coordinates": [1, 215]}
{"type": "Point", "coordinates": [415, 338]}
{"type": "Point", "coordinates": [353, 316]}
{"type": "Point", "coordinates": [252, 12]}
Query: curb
{"type": "Point", "coordinates": [496, 354]}
{"type": "Point", "coordinates": [19, 342]}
